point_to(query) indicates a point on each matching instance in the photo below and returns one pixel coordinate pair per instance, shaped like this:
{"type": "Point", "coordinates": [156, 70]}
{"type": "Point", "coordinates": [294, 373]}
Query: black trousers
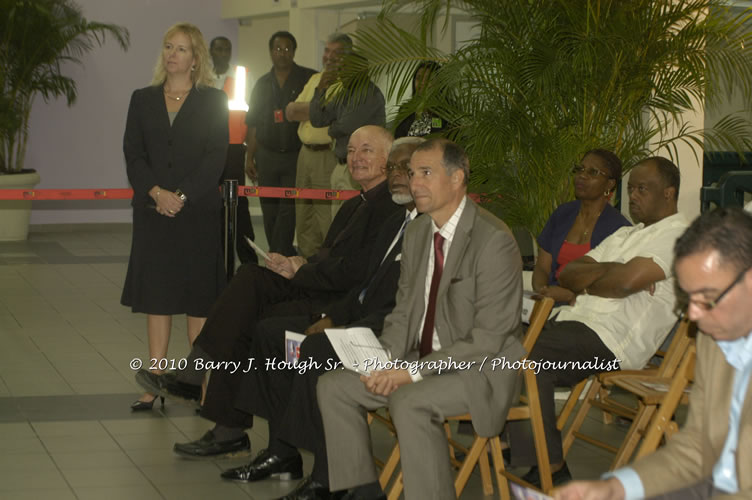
{"type": "Point", "coordinates": [225, 385]}
{"type": "Point", "coordinates": [278, 170]}
{"type": "Point", "coordinates": [230, 325]}
{"type": "Point", "coordinates": [287, 398]}
{"type": "Point", "coordinates": [559, 341]}
{"type": "Point", "coordinates": [235, 169]}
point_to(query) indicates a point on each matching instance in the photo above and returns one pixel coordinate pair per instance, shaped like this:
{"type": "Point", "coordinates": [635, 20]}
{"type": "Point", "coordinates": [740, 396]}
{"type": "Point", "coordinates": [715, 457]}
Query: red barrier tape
{"type": "Point", "coordinates": [303, 194]}
{"type": "Point", "coordinates": [66, 194]}
{"type": "Point", "coordinates": [126, 194]}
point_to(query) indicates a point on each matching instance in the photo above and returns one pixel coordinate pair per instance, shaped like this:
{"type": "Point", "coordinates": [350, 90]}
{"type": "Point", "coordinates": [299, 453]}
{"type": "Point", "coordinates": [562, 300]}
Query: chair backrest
{"type": "Point", "coordinates": [538, 318]}
{"type": "Point", "coordinates": [677, 348]}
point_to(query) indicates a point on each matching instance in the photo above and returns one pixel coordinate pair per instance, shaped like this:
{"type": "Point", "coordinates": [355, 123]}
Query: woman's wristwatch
{"type": "Point", "coordinates": [181, 195]}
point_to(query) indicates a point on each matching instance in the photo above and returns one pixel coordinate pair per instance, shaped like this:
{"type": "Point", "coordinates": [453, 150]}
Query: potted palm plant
{"type": "Point", "coordinates": [547, 80]}
{"type": "Point", "coordinates": [37, 37]}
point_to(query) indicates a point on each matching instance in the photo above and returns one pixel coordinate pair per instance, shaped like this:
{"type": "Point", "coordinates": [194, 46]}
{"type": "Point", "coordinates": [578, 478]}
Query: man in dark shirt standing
{"type": "Point", "coordinates": [343, 114]}
{"type": "Point", "coordinates": [273, 142]}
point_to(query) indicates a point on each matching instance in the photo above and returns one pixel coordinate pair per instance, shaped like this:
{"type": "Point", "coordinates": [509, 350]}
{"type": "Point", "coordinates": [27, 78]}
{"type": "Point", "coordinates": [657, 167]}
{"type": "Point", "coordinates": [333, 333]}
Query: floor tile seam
{"type": "Point", "coordinates": [54, 367]}
{"type": "Point", "coordinates": [96, 349]}
{"type": "Point", "coordinates": [101, 309]}
{"type": "Point", "coordinates": [49, 454]}
{"type": "Point", "coordinates": [125, 452]}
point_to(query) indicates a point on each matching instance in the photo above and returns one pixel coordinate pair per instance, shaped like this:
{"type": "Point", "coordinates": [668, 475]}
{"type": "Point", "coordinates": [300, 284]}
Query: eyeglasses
{"type": "Point", "coordinates": [403, 165]}
{"type": "Point", "coordinates": [591, 172]}
{"type": "Point", "coordinates": [709, 305]}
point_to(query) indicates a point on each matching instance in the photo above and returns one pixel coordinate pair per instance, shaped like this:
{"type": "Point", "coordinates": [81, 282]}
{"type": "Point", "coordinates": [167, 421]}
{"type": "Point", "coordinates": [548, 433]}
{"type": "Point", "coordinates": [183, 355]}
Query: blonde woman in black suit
{"type": "Point", "coordinates": [175, 144]}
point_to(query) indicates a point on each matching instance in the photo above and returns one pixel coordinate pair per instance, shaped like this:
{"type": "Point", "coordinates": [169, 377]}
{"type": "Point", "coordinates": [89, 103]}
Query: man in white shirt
{"type": "Point", "coordinates": [623, 309]}
{"type": "Point", "coordinates": [712, 455]}
{"type": "Point", "coordinates": [458, 303]}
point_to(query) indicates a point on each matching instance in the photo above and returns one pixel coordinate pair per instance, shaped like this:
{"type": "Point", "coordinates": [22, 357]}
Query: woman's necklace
{"type": "Point", "coordinates": [178, 98]}
{"type": "Point", "coordinates": [585, 223]}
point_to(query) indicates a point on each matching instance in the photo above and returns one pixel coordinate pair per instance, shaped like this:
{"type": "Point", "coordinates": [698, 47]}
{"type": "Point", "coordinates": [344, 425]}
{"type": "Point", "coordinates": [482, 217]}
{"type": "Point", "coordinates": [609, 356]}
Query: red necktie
{"type": "Point", "coordinates": [426, 339]}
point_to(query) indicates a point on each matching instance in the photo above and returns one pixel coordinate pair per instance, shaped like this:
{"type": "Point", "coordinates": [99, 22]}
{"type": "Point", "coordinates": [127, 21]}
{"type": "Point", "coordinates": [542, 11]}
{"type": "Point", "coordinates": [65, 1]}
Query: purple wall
{"type": "Point", "coordinates": [81, 146]}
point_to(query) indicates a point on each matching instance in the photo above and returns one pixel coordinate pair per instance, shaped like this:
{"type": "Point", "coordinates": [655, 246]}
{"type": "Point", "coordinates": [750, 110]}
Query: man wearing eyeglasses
{"type": "Point", "coordinates": [272, 140]}
{"type": "Point", "coordinates": [712, 455]}
{"type": "Point", "coordinates": [624, 306]}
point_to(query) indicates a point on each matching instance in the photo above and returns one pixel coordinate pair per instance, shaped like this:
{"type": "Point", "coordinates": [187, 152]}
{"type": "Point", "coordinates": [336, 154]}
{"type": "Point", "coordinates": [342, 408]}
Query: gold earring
{"type": "Point", "coordinates": [606, 192]}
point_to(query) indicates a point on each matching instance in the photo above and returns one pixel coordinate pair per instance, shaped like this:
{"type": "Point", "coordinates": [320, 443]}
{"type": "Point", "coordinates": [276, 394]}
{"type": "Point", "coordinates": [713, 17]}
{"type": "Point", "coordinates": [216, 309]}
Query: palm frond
{"type": "Point", "coordinates": [547, 80]}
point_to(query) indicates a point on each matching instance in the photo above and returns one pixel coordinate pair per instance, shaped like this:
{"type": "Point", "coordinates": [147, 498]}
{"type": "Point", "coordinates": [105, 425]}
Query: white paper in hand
{"type": "Point", "coordinates": [522, 493]}
{"type": "Point", "coordinates": [358, 349]}
{"type": "Point", "coordinates": [257, 248]}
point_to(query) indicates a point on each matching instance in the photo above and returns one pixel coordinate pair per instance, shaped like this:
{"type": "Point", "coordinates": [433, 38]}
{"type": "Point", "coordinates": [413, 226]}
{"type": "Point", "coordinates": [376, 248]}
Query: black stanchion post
{"type": "Point", "coordinates": [230, 197]}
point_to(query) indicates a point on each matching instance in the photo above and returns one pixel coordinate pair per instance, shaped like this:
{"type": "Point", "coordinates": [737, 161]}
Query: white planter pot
{"type": "Point", "coordinates": [15, 214]}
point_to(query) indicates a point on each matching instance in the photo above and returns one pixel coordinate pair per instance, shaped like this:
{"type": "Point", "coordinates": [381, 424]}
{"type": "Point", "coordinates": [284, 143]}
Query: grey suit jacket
{"type": "Point", "coordinates": [690, 455]}
{"type": "Point", "coordinates": [478, 309]}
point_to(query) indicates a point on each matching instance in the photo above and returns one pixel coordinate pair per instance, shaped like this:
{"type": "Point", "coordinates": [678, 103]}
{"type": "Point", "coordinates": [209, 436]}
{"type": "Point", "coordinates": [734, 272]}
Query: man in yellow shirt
{"type": "Point", "coordinates": [316, 161]}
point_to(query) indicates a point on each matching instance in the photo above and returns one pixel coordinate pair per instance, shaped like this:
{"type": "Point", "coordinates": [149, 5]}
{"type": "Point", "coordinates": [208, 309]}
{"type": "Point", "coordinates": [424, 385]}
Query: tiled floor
{"type": "Point", "coordinates": [65, 385]}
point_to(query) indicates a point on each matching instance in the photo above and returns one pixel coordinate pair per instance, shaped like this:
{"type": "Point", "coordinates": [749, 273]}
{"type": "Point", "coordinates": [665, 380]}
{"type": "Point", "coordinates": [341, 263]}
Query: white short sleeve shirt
{"type": "Point", "coordinates": [633, 327]}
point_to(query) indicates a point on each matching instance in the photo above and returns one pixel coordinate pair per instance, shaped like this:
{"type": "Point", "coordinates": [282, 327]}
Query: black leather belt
{"type": "Point", "coordinates": [318, 147]}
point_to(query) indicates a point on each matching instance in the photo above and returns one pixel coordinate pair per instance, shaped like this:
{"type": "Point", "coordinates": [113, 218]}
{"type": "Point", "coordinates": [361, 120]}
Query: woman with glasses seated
{"type": "Point", "coordinates": [578, 226]}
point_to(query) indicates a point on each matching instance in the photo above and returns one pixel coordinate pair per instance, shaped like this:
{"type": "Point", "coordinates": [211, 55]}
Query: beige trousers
{"type": "Point", "coordinates": [313, 217]}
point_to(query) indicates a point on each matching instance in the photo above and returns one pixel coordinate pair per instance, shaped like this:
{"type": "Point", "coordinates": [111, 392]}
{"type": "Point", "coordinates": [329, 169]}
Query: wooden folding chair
{"type": "Point", "coordinates": [661, 425]}
{"type": "Point", "coordinates": [598, 396]}
{"type": "Point", "coordinates": [476, 454]}
{"type": "Point", "coordinates": [574, 397]}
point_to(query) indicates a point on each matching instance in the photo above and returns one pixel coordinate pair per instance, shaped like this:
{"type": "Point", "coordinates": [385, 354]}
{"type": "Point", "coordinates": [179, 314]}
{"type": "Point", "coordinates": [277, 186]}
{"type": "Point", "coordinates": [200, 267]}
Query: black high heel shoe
{"type": "Point", "coordinates": [139, 405]}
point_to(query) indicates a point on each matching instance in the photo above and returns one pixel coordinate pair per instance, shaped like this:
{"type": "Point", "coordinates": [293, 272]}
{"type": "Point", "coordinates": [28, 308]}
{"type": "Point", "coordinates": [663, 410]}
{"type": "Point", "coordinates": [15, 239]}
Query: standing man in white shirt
{"type": "Point", "coordinates": [712, 455]}
{"type": "Point", "coordinates": [624, 306]}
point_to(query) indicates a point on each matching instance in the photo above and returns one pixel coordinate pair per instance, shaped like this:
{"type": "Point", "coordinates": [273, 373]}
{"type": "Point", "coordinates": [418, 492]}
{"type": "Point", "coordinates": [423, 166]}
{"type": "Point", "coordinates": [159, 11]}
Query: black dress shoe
{"type": "Point", "coordinates": [558, 478]}
{"type": "Point", "coordinates": [167, 385]}
{"type": "Point", "coordinates": [209, 447]}
{"type": "Point", "coordinates": [308, 489]}
{"type": "Point", "coordinates": [267, 465]}
{"type": "Point", "coordinates": [139, 405]}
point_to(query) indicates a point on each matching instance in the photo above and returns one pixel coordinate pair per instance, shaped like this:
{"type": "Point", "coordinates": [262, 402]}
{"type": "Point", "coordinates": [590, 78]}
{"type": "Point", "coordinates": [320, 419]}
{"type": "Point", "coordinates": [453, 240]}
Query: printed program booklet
{"type": "Point", "coordinates": [292, 346]}
{"type": "Point", "coordinates": [357, 348]}
{"type": "Point", "coordinates": [522, 493]}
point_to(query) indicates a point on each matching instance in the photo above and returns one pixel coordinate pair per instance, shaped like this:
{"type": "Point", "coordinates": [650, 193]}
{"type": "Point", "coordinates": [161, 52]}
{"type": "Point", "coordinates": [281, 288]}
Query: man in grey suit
{"type": "Point", "coordinates": [458, 306]}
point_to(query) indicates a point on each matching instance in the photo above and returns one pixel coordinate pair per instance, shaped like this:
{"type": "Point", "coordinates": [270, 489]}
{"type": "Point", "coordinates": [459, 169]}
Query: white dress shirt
{"type": "Point", "coordinates": [633, 327]}
{"type": "Point", "coordinates": [447, 232]}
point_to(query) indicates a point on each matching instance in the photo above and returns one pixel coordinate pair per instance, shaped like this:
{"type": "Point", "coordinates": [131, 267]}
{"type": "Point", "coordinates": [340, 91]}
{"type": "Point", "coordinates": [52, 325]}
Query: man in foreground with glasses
{"type": "Point", "coordinates": [622, 312]}
{"type": "Point", "coordinates": [708, 457]}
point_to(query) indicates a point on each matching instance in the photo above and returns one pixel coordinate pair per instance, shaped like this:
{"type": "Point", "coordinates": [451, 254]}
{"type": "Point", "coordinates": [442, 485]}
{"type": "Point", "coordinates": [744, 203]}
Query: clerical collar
{"type": "Point", "coordinates": [375, 192]}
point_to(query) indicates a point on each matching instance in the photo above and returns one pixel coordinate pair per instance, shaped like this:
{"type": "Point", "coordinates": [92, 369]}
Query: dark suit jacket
{"type": "Point", "coordinates": [342, 262]}
{"type": "Point", "coordinates": [380, 283]}
{"type": "Point", "coordinates": [189, 155]}
{"type": "Point", "coordinates": [478, 307]}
